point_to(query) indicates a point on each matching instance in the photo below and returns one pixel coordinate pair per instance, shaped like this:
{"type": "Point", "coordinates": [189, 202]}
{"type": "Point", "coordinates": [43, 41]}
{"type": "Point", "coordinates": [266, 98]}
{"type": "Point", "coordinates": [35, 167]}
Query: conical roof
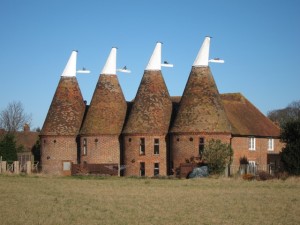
{"type": "Point", "coordinates": [152, 107]}
{"type": "Point", "coordinates": [66, 110]}
{"type": "Point", "coordinates": [201, 108]}
{"type": "Point", "coordinates": [107, 111]}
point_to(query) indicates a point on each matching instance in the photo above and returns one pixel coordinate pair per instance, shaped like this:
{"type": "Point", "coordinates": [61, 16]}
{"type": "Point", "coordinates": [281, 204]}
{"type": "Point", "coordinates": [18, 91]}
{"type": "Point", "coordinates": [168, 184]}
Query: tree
{"type": "Point", "coordinates": [290, 155]}
{"type": "Point", "coordinates": [217, 155]}
{"type": "Point", "coordinates": [8, 148]}
{"type": "Point", "coordinates": [282, 116]}
{"type": "Point", "coordinates": [13, 117]}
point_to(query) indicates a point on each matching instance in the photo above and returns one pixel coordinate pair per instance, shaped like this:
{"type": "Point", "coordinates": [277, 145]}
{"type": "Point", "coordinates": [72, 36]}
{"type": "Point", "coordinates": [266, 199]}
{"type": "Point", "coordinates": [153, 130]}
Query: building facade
{"type": "Point", "coordinates": [153, 134]}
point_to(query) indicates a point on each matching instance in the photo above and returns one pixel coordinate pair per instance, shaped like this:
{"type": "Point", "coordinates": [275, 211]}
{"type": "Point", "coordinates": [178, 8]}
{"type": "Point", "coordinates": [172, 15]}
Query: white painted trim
{"type": "Point", "coordinates": [110, 66]}
{"type": "Point", "coordinates": [70, 69]}
{"type": "Point", "coordinates": [155, 60]}
{"type": "Point", "coordinates": [203, 54]}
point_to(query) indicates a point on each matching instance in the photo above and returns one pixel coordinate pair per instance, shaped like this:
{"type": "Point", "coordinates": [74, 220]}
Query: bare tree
{"type": "Point", "coordinates": [288, 114]}
{"type": "Point", "coordinates": [13, 117]}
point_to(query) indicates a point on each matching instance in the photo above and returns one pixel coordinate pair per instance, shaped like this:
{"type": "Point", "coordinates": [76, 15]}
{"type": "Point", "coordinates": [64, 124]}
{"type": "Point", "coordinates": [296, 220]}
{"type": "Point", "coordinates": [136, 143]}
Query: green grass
{"type": "Point", "coordinates": [80, 200]}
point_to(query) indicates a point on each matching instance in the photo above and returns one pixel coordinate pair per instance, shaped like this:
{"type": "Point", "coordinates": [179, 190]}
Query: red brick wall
{"type": "Point", "coordinates": [101, 149]}
{"type": "Point", "coordinates": [132, 157]}
{"type": "Point", "coordinates": [185, 146]}
{"type": "Point", "coordinates": [259, 155]}
{"type": "Point", "coordinates": [55, 150]}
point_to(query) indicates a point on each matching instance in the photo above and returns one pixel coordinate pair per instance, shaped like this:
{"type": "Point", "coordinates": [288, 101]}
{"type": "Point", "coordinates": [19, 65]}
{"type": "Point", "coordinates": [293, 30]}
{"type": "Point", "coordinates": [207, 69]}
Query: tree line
{"type": "Point", "coordinates": [289, 121]}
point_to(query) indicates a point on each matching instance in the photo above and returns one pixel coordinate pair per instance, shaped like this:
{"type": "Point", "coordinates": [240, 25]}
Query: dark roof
{"type": "Point", "coordinates": [66, 110]}
{"type": "Point", "coordinates": [201, 108]}
{"type": "Point", "coordinates": [152, 107]}
{"type": "Point", "coordinates": [107, 111]}
{"type": "Point", "coordinates": [27, 139]}
{"type": "Point", "coordinates": [246, 119]}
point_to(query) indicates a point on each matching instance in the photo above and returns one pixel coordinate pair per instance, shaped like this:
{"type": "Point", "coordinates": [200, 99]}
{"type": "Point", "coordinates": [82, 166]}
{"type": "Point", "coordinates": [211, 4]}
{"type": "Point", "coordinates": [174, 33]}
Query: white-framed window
{"type": "Point", "coordinates": [252, 167]}
{"type": "Point", "coordinates": [270, 144]}
{"type": "Point", "coordinates": [142, 146]}
{"type": "Point", "coordinates": [156, 169]}
{"type": "Point", "coordinates": [156, 146]}
{"type": "Point", "coordinates": [251, 143]}
{"type": "Point", "coordinates": [84, 146]}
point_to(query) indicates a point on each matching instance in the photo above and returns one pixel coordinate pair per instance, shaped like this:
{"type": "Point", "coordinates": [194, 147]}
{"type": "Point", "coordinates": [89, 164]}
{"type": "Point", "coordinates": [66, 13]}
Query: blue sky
{"type": "Point", "coordinates": [259, 41]}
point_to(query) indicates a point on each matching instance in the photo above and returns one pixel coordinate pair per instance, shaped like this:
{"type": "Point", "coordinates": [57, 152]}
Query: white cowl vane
{"type": "Point", "coordinates": [155, 60]}
{"type": "Point", "coordinates": [110, 66]}
{"type": "Point", "coordinates": [70, 69]}
{"type": "Point", "coordinates": [203, 54]}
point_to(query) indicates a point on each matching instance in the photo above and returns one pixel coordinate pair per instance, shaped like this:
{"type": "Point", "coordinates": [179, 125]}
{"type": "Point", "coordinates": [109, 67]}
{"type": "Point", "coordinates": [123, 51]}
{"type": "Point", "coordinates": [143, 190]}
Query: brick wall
{"type": "Point", "coordinates": [100, 149]}
{"type": "Point", "coordinates": [55, 150]}
{"type": "Point", "coordinates": [133, 158]}
{"type": "Point", "coordinates": [240, 147]}
{"type": "Point", "coordinates": [185, 146]}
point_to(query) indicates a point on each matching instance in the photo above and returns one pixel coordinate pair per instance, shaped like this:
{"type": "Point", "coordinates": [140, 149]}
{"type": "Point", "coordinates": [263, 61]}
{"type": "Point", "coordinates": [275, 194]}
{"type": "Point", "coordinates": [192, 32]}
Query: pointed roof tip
{"type": "Point", "coordinates": [70, 69]}
{"type": "Point", "coordinates": [110, 66]}
{"type": "Point", "coordinates": [203, 54]}
{"type": "Point", "coordinates": [155, 60]}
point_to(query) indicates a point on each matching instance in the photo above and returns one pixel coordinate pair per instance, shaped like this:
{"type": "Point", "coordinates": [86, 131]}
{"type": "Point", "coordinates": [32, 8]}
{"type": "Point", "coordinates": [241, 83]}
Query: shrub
{"type": "Point", "coordinates": [244, 160]}
{"type": "Point", "coordinates": [248, 176]}
{"type": "Point", "coordinates": [263, 175]}
{"type": "Point", "coordinates": [217, 155]}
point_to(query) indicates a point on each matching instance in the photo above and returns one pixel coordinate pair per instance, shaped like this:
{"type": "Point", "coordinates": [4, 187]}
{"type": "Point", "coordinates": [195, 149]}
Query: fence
{"type": "Point", "coordinates": [253, 169]}
{"type": "Point", "coordinates": [103, 169]}
{"type": "Point", "coordinates": [16, 167]}
{"type": "Point", "coordinates": [186, 168]}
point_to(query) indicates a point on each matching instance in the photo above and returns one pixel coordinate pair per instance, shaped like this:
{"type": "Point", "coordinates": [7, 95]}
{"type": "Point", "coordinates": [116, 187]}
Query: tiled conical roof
{"type": "Point", "coordinates": [107, 111]}
{"type": "Point", "coordinates": [201, 108]}
{"type": "Point", "coordinates": [66, 110]}
{"type": "Point", "coordinates": [152, 107]}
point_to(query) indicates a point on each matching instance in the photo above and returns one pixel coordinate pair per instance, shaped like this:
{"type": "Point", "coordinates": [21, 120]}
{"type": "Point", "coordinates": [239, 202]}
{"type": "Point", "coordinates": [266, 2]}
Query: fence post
{"type": "Point", "coordinates": [3, 166]}
{"type": "Point", "coordinates": [16, 167]}
{"type": "Point", "coordinates": [28, 167]}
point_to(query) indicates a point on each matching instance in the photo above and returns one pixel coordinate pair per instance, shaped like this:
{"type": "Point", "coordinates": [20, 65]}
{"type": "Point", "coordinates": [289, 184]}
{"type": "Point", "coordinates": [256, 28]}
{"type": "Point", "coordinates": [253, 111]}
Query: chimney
{"type": "Point", "coordinates": [26, 127]}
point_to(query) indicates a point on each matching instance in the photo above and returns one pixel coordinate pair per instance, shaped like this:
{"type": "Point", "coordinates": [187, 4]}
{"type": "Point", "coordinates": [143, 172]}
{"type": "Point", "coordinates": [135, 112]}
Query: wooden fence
{"type": "Point", "coordinates": [16, 167]}
{"type": "Point", "coordinates": [101, 169]}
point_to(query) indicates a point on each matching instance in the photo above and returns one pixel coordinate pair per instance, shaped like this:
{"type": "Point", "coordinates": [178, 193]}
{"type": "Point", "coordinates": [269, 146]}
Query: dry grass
{"type": "Point", "coordinates": [60, 200]}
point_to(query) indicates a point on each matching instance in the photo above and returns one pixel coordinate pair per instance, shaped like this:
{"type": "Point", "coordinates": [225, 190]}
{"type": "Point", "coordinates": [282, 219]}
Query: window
{"type": "Point", "coordinates": [142, 146]}
{"type": "Point", "coordinates": [201, 146]}
{"type": "Point", "coordinates": [252, 167]}
{"type": "Point", "coordinates": [156, 146]}
{"type": "Point", "coordinates": [142, 169]}
{"type": "Point", "coordinates": [84, 146]}
{"type": "Point", "coordinates": [156, 169]}
{"type": "Point", "coordinates": [251, 143]}
{"type": "Point", "coordinates": [271, 144]}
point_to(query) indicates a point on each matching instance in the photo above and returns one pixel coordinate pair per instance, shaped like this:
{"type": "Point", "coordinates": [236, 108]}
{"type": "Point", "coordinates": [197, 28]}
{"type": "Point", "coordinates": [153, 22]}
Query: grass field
{"type": "Point", "coordinates": [78, 200]}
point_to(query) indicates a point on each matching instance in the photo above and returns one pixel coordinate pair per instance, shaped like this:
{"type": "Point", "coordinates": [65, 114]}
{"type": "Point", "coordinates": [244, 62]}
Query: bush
{"type": "Point", "coordinates": [263, 175]}
{"type": "Point", "coordinates": [248, 176]}
{"type": "Point", "coordinates": [217, 155]}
